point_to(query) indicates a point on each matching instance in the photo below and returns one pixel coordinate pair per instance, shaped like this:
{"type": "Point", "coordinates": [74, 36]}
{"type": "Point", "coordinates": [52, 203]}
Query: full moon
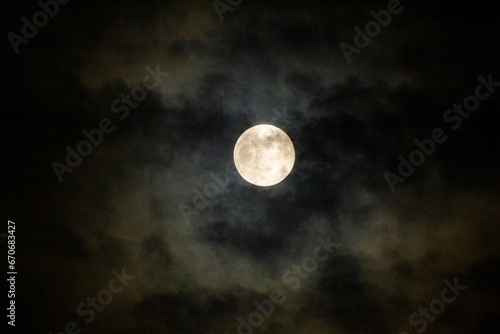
{"type": "Point", "coordinates": [264, 155]}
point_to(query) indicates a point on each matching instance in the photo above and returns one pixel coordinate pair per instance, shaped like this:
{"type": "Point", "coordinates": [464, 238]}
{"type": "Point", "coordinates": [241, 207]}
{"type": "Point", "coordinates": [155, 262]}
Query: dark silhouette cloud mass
{"type": "Point", "coordinates": [337, 247]}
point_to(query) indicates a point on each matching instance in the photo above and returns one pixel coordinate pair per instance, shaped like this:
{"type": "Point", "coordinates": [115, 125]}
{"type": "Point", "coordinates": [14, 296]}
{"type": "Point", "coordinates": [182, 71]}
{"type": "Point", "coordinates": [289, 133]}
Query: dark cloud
{"type": "Point", "coordinates": [278, 63]}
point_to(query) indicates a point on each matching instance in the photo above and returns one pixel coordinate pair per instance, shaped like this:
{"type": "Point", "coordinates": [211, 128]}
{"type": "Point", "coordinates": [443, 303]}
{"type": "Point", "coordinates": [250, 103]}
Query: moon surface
{"type": "Point", "coordinates": [264, 155]}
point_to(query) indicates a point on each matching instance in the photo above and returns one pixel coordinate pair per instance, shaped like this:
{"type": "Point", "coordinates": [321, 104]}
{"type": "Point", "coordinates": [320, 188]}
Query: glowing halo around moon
{"type": "Point", "coordinates": [264, 155]}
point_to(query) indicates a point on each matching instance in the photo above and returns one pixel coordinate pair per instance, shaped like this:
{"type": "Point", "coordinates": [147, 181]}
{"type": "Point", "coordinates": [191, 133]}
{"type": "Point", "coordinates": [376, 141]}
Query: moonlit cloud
{"type": "Point", "coordinates": [277, 63]}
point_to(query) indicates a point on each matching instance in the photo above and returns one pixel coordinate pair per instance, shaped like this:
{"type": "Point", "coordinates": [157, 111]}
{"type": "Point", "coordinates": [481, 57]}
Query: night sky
{"type": "Point", "coordinates": [118, 129]}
